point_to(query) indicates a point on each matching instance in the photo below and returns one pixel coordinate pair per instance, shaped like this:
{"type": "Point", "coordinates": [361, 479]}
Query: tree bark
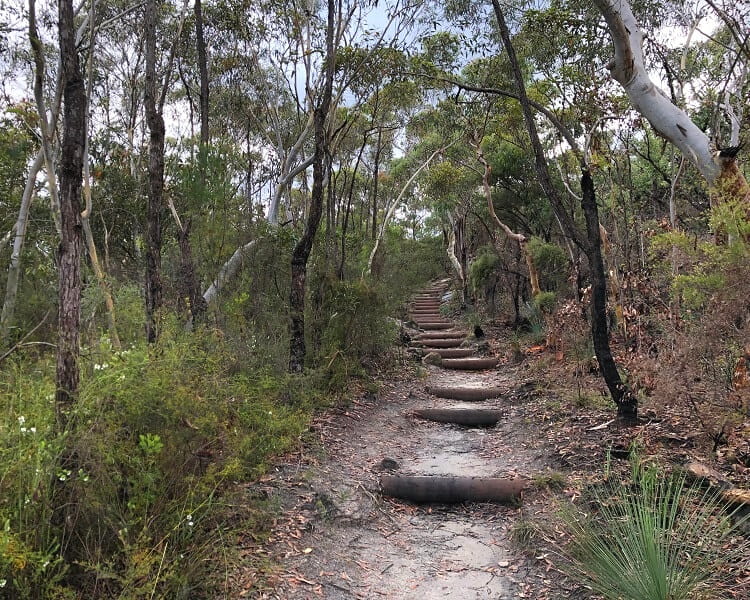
{"type": "Point", "coordinates": [69, 251]}
{"type": "Point", "coordinates": [154, 208]}
{"type": "Point", "coordinates": [303, 248]}
{"type": "Point", "coordinates": [627, 403]}
{"type": "Point", "coordinates": [628, 69]}
{"type": "Point", "coordinates": [45, 126]}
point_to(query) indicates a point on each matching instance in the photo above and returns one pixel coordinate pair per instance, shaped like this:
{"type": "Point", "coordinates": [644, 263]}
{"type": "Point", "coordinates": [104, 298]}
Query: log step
{"type": "Point", "coordinates": [469, 394]}
{"type": "Point", "coordinates": [470, 417]}
{"type": "Point", "coordinates": [441, 335]}
{"type": "Point", "coordinates": [422, 489]}
{"type": "Point", "coordinates": [451, 352]}
{"type": "Point", "coordinates": [441, 343]}
{"type": "Point", "coordinates": [433, 307]}
{"type": "Point", "coordinates": [470, 364]}
{"type": "Point", "coordinates": [434, 325]}
{"type": "Point", "coordinates": [426, 315]}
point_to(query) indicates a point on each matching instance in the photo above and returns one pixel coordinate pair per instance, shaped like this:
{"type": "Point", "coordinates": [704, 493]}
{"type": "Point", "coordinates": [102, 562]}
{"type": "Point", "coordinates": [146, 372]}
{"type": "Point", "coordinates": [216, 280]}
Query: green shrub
{"type": "Point", "coordinates": [357, 326]}
{"type": "Point", "coordinates": [656, 538]}
{"type": "Point", "coordinates": [551, 262]}
{"type": "Point", "coordinates": [544, 302]}
{"type": "Point", "coordinates": [482, 268]}
{"type": "Point", "coordinates": [153, 440]}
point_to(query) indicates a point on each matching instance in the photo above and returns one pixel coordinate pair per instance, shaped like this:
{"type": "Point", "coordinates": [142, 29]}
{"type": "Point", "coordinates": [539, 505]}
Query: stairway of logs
{"type": "Point", "coordinates": [449, 342]}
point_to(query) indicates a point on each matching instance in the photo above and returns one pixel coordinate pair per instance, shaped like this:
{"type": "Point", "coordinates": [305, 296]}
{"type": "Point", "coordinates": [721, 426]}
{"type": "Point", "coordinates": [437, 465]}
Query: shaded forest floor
{"type": "Point", "coordinates": [333, 535]}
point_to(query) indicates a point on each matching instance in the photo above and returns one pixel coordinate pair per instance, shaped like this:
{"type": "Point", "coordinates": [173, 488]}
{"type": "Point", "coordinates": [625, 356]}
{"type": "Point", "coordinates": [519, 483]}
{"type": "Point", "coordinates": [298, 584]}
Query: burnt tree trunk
{"type": "Point", "coordinates": [69, 250]}
{"type": "Point", "coordinates": [302, 249]}
{"type": "Point", "coordinates": [154, 208]}
{"type": "Point", "coordinates": [627, 403]}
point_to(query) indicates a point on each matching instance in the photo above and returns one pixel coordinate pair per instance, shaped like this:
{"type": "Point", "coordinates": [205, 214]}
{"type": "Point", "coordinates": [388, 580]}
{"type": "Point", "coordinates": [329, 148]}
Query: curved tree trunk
{"type": "Point", "coordinates": [396, 203]}
{"type": "Point", "coordinates": [518, 237]}
{"type": "Point", "coordinates": [45, 126]}
{"type": "Point", "coordinates": [228, 270]}
{"type": "Point", "coordinates": [628, 69]}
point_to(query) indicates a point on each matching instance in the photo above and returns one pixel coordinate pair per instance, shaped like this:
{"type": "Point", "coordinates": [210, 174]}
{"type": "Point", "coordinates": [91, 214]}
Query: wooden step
{"type": "Point", "coordinates": [441, 335]}
{"type": "Point", "coordinates": [451, 352]}
{"type": "Point", "coordinates": [452, 489]}
{"type": "Point", "coordinates": [468, 394]}
{"type": "Point", "coordinates": [440, 343]}
{"type": "Point", "coordinates": [434, 325]}
{"type": "Point", "coordinates": [469, 364]}
{"type": "Point", "coordinates": [469, 417]}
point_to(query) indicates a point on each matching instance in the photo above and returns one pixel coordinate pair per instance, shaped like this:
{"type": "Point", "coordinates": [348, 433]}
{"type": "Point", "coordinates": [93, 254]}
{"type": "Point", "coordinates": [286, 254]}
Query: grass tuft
{"type": "Point", "coordinates": [657, 538]}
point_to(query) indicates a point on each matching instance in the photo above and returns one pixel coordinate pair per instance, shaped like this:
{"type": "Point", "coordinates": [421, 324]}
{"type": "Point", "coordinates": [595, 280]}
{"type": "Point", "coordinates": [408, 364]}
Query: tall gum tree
{"type": "Point", "coordinates": [69, 251]}
{"type": "Point", "coordinates": [154, 98]}
{"type": "Point", "coordinates": [302, 249]}
{"type": "Point", "coordinates": [628, 69]}
{"type": "Point", "coordinates": [622, 395]}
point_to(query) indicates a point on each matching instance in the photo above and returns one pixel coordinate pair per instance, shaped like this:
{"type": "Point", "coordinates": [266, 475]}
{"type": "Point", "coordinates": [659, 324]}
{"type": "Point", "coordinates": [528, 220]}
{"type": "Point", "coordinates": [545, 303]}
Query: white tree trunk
{"type": "Point", "coordinates": [227, 271]}
{"type": "Point", "coordinates": [14, 269]}
{"type": "Point", "coordinates": [628, 69]}
{"type": "Point", "coordinates": [451, 251]}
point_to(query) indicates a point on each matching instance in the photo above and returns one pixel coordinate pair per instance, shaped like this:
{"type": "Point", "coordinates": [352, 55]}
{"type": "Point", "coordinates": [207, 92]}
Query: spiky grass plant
{"type": "Point", "coordinates": [655, 539]}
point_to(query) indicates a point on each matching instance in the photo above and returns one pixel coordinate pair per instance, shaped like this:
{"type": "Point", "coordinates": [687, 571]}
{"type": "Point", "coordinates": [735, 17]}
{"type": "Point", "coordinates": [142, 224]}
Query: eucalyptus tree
{"type": "Point", "coordinates": [155, 95]}
{"type": "Point", "coordinates": [284, 69]}
{"type": "Point", "coordinates": [629, 69]}
{"type": "Point", "coordinates": [69, 251]}
{"type": "Point", "coordinates": [622, 395]}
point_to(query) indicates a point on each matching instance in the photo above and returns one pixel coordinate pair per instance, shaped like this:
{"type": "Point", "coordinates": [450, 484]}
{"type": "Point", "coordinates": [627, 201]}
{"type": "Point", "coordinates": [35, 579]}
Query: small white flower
{"type": "Point", "coordinates": [32, 429]}
{"type": "Point", "coordinates": [3, 582]}
{"type": "Point", "coordinates": [23, 430]}
{"type": "Point", "coordinates": [21, 420]}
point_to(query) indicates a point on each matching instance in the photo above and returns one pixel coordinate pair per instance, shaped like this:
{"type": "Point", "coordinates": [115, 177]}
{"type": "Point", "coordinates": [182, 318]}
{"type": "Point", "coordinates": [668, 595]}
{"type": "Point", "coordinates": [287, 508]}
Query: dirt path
{"type": "Point", "coordinates": [339, 538]}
